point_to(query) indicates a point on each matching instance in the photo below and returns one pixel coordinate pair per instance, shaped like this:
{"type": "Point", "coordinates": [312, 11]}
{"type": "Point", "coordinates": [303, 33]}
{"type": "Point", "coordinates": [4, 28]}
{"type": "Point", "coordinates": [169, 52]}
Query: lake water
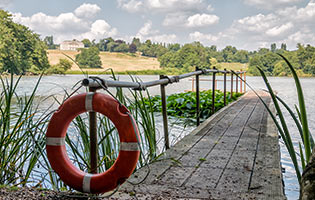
{"type": "Point", "coordinates": [56, 85]}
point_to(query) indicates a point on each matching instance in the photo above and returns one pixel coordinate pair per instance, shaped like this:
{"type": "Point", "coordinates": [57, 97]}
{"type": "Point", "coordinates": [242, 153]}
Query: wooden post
{"type": "Point", "coordinates": [224, 87]}
{"type": "Point", "coordinates": [197, 98]}
{"type": "Point", "coordinates": [213, 91]}
{"type": "Point", "coordinates": [93, 139]}
{"type": "Point", "coordinates": [231, 85]}
{"type": "Point", "coordinates": [164, 114]}
{"type": "Point", "coordinates": [193, 84]}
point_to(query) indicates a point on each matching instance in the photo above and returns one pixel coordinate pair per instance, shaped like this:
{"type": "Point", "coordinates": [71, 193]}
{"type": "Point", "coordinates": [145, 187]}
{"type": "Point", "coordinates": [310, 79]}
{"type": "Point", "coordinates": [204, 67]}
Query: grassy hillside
{"type": "Point", "coordinates": [122, 62]}
{"type": "Point", "coordinates": [117, 61]}
{"type": "Point", "coordinates": [234, 66]}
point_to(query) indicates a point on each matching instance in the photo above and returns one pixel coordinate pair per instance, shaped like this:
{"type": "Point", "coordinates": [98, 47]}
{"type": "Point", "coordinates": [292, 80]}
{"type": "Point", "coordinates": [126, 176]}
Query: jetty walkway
{"type": "Point", "coordinates": [233, 155]}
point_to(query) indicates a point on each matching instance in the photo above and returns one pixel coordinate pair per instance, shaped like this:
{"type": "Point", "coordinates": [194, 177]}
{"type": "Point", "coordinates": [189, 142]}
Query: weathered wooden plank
{"type": "Point", "coordinates": [233, 155]}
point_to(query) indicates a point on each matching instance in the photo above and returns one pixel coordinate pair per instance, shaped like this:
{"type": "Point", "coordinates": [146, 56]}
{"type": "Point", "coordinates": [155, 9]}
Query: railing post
{"type": "Point", "coordinates": [231, 85]}
{"type": "Point", "coordinates": [245, 81]}
{"type": "Point", "coordinates": [213, 91]}
{"type": "Point", "coordinates": [93, 139]}
{"type": "Point", "coordinates": [224, 87]}
{"type": "Point", "coordinates": [241, 83]}
{"type": "Point", "coordinates": [197, 98]}
{"type": "Point", "coordinates": [236, 82]}
{"type": "Point", "coordinates": [164, 114]}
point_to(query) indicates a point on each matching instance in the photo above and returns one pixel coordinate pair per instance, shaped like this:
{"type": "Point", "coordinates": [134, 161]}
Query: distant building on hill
{"type": "Point", "coordinates": [71, 45]}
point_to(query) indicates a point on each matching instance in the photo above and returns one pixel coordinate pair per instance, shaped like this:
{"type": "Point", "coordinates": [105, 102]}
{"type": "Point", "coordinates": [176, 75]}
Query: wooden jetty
{"type": "Point", "coordinates": [233, 155]}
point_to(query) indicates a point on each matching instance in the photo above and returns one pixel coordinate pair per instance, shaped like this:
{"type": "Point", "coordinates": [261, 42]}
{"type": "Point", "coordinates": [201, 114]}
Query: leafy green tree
{"type": "Point", "coordinates": [132, 48]}
{"type": "Point", "coordinates": [266, 62]}
{"type": "Point", "coordinates": [61, 67]}
{"type": "Point", "coordinates": [173, 47]}
{"type": "Point", "coordinates": [111, 46]}
{"type": "Point", "coordinates": [122, 47]}
{"type": "Point", "coordinates": [171, 59]}
{"type": "Point", "coordinates": [20, 48]}
{"type": "Point", "coordinates": [49, 40]}
{"type": "Point", "coordinates": [228, 53]}
{"type": "Point", "coordinates": [241, 56]}
{"type": "Point", "coordinates": [136, 41]}
{"type": "Point", "coordinates": [89, 58]}
{"type": "Point", "coordinates": [284, 46]}
{"type": "Point", "coordinates": [87, 43]}
{"type": "Point", "coordinates": [273, 47]}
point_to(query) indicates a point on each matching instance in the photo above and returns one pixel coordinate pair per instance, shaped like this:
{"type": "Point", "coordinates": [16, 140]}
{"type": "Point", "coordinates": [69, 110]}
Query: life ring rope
{"type": "Point", "coordinates": [129, 150]}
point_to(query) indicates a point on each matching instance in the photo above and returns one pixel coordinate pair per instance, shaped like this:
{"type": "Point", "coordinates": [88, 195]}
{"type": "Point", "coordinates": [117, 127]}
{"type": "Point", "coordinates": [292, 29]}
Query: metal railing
{"type": "Point", "coordinates": [98, 83]}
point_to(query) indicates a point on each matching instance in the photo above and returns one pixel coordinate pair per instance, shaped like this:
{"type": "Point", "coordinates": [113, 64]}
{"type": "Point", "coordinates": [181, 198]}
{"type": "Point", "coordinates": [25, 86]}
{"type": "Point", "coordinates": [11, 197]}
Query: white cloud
{"type": "Point", "coordinates": [67, 26]}
{"type": "Point", "coordinates": [278, 30]}
{"type": "Point", "coordinates": [182, 19]}
{"type": "Point", "coordinates": [256, 23]}
{"type": "Point", "coordinates": [146, 29]}
{"type": "Point", "coordinates": [164, 6]}
{"type": "Point", "coordinates": [176, 19]}
{"type": "Point", "coordinates": [304, 37]}
{"type": "Point", "coordinates": [204, 38]}
{"type": "Point", "coordinates": [210, 8]}
{"type": "Point", "coordinates": [87, 10]}
{"type": "Point", "coordinates": [131, 5]}
{"type": "Point", "coordinates": [270, 4]}
{"type": "Point", "coordinates": [100, 29]}
{"type": "Point", "coordinates": [199, 20]}
{"type": "Point", "coordinates": [146, 32]}
{"type": "Point", "coordinates": [5, 3]}
{"type": "Point", "coordinates": [290, 25]}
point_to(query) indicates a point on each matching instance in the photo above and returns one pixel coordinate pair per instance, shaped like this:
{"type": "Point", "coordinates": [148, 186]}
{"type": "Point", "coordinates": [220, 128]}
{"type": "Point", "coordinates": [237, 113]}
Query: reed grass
{"type": "Point", "coordinates": [21, 123]}
{"type": "Point", "coordinates": [307, 143]}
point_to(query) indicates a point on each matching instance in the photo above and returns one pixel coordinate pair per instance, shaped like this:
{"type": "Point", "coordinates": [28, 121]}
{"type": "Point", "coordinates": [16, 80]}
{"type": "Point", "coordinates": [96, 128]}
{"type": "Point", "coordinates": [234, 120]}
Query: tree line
{"type": "Point", "coordinates": [22, 51]}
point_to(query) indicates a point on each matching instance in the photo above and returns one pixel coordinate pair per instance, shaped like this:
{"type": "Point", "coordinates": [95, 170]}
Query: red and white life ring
{"type": "Point", "coordinates": [56, 150]}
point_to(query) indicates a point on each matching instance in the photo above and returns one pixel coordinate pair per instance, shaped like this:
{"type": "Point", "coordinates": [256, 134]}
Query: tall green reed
{"type": "Point", "coordinates": [307, 144]}
{"type": "Point", "coordinates": [21, 124]}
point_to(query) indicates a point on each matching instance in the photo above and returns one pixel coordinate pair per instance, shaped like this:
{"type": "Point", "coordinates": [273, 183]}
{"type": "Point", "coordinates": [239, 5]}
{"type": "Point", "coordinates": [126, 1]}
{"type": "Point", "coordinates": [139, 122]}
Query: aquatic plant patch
{"type": "Point", "coordinates": [184, 104]}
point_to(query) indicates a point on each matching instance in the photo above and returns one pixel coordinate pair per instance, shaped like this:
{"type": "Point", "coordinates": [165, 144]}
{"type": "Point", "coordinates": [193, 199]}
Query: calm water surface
{"type": "Point", "coordinates": [56, 85]}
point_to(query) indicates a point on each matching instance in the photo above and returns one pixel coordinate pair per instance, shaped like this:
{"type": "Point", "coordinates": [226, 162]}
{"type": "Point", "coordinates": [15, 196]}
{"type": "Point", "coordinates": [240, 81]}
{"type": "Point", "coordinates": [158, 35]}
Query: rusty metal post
{"type": "Point", "coordinates": [244, 81]}
{"type": "Point", "coordinates": [236, 83]}
{"type": "Point", "coordinates": [93, 139]}
{"type": "Point", "coordinates": [213, 91]}
{"type": "Point", "coordinates": [241, 82]}
{"type": "Point", "coordinates": [197, 98]}
{"type": "Point", "coordinates": [224, 87]}
{"type": "Point", "coordinates": [164, 114]}
{"type": "Point", "coordinates": [231, 85]}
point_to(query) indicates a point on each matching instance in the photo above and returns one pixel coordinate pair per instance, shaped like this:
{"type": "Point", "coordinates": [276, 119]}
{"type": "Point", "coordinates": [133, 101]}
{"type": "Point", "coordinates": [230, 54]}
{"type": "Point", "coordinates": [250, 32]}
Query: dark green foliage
{"type": "Point", "coordinates": [87, 43]}
{"type": "Point", "coordinates": [266, 62]}
{"type": "Point", "coordinates": [21, 50]}
{"type": "Point", "coordinates": [89, 58]}
{"type": "Point", "coordinates": [184, 104]}
{"type": "Point", "coordinates": [152, 50]}
{"type": "Point", "coordinates": [49, 40]}
{"type": "Point", "coordinates": [194, 54]}
{"type": "Point", "coordinates": [132, 48]}
{"type": "Point", "coordinates": [303, 60]}
{"type": "Point", "coordinates": [60, 68]}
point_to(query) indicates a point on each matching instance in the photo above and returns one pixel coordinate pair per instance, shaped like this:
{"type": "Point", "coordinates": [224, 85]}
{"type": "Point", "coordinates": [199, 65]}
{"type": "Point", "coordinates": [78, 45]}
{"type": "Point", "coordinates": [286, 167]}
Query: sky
{"type": "Point", "coordinates": [245, 24]}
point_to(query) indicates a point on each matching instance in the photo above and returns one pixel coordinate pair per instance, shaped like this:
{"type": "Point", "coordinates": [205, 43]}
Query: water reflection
{"type": "Point", "coordinates": [56, 85]}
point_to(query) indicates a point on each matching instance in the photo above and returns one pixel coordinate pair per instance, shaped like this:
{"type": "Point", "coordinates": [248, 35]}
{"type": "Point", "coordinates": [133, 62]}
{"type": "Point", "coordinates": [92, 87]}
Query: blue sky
{"type": "Point", "coordinates": [245, 24]}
